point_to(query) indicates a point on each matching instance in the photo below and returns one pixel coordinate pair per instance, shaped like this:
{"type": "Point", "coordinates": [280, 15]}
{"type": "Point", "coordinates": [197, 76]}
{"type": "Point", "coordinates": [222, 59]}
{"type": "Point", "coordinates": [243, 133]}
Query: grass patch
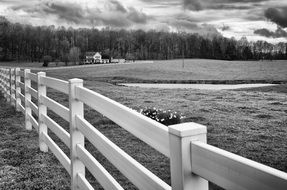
{"type": "Point", "coordinates": [22, 165]}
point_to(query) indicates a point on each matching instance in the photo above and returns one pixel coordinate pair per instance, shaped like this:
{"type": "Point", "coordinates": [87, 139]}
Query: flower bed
{"type": "Point", "coordinates": [162, 116]}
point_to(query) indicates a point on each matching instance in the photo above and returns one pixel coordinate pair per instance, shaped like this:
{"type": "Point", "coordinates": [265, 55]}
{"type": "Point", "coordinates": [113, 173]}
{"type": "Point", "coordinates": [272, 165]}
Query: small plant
{"type": "Point", "coordinates": [162, 116]}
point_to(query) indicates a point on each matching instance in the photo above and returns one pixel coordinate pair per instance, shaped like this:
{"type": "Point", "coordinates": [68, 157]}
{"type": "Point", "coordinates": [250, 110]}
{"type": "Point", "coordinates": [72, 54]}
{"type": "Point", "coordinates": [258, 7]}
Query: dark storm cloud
{"type": "Point", "coordinates": [279, 33]}
{"type": "Point", "coordinates": [115, 15]}
{"type": "Point", "coordinates": [194, 5]}
{"type": "Point", "coordinates": [118, 6]}
{"type": "Point", "coordinates": [277, 15]}
{"type": "Point", "coordinates": [65, 11]}
{"type": "Point", "coordinates": [72, 13]}
{"type": "Point", "coordinates": [184, 23]}
{"type": "Point", "coordinates": [198, 5]}
{"type": "Point", "coordinates": [136, 16]}
{"type": "Point", "coordinates": [163, 2]}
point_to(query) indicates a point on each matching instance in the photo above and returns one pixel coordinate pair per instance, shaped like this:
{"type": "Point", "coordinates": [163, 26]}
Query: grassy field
{"type": "Point", "coordinates": [250, 122]}
{"type": "Point", "coordinates": [194, 69]}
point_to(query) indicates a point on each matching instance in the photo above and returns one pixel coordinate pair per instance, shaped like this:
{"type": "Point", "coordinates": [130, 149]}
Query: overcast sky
{"type": "Point", "coordinates": [255, 19]}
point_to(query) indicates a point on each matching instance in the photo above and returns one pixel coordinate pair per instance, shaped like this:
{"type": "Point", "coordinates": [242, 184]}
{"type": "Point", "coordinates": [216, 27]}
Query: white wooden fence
{"type": "Point", "coordinates": [192, 162]}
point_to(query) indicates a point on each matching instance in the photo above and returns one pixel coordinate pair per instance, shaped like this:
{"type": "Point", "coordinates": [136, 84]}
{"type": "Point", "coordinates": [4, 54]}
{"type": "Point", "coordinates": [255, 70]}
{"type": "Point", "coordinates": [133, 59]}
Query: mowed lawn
{"type": "Point", "coordinates": [191, 69]}
{"type": "Point", "coordinates": [251, 123]}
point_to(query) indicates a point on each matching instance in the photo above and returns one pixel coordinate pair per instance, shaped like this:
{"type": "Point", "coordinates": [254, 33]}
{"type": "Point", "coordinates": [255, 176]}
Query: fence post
{"type": "Point", "coordinates": [180, 137]}
{"type": "Point", "coordinates": [76, 137]}
{"type": "Point", "coordinates": [7, 85]}
{"type": "Point", "coordinates": [27, 82]}
{"type": "Point", "coordinates": [4, 82]}
{"type": "Point", "coordinates": [10, 86]}
{"type": "Point", "coordinates": [18, 89]}
{"type": "Point", "coordinates": [1, 80]}
{"type": "Point", "coordinates": [42, 111]}
{"type": "Point", "coordinates": [13, 92]}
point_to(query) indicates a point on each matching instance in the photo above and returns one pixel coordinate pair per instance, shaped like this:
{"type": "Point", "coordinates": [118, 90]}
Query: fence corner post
{"type": "Point", "coordinates": [180, 137]}
{"type": "Point", "coordinates": [76, 137]}
{"type": "Point", "coordinates": [17, 89]}
{"type": "Point", "coordinates": [27, 83]}
{"type": "Point", "coordinates": [42, 111]}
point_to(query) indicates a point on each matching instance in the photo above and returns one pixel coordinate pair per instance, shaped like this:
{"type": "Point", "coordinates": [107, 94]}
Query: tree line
{"type": "Point", "coordinates": [32, 43]}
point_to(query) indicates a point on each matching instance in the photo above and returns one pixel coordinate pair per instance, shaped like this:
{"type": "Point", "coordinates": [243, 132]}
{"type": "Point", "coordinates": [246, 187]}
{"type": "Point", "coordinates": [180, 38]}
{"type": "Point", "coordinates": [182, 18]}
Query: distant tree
{"type": "Point", "coordinates": [247, 53]}
{"type": "Point", "coordinates": [74, 55]}
{"type": "Point", "coordinates": [217, 53]}
{"type": "Point", "coordinates": [230, 53]}
{"type": "Point", "coordinates": [130, 56]}
{"type": "Point", "coordinates": [46, 59]}
{"type": "Point", "coordinates": [107, 52]}
{"type": "Point", "coordinates": [30, 43]}
{"type": "Point", "coordinates": [65, 59]}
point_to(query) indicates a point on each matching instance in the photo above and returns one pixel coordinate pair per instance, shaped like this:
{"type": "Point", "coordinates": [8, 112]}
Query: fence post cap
{"type": "Point", "coordinates": [187, 129]}
{"type": "Point", "coordinates": [75, 80]}
{"type": "Point", "coordinates": [41, 73]}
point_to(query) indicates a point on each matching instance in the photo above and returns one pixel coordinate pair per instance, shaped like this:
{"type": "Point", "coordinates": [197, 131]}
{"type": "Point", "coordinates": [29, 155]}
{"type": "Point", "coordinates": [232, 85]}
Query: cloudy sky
{"type": "Point", "coordinates": [255, 19]}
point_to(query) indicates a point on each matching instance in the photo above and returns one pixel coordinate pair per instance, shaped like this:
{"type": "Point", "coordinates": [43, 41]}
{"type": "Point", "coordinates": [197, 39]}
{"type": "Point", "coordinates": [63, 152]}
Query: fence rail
{"type": "Point", "coordinates": [192, 161]}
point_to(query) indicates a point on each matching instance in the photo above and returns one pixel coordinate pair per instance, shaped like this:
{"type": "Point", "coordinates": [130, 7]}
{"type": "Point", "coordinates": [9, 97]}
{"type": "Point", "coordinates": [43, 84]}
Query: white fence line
{"type": "Point", "coordinates": [148, 130]}
{"type": "Point", "coordinates": [33, 122]}
{"type": "Point", "coordinates": [56, 107]}
{"type": "Point", "coordinates": [62, 157]}
{"type": "Point", "coordinates": [58, 130]}
{"type": "Point", "coordinates": [97, 170]}
{"type": "Point", "coordinates": [192, 161]}
{"type": "Point", "coordinates": [33, 92]}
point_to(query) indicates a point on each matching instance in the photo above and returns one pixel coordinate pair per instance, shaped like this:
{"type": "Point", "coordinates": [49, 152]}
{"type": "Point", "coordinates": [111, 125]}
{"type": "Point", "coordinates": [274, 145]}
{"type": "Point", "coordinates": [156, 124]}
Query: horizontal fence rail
{"type": "Point", "coordinates": [192, 160]}
{"type": "Point", "coordinates": [33, 122]}
{"type": "Point", "coordinates": [133, 170]}
{"type": "Point", "coordinates": [97, 170]}
{"type": "Point", "coordinates": [56, 107]}
{"type": "Point", "coordinates": [62, 157]}
{"type": "Point", "coordinates": [33, 92]}
{"type": "Point", "coordinates": [150, 131]}
{"type": "Point", "coordinates": [56, 84]}
{"type": "Point", "coordinates": [32, 77]}
{"type": "Point", "coordinates": [58, 130]}
{"type": "Point", "coordinates": [33, 107]}
{"type": "Point", "coordinates": [231, 171]}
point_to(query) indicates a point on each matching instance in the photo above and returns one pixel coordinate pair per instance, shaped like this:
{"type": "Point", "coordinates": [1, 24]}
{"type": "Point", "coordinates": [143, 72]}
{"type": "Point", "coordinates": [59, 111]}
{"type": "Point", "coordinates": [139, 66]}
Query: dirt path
{"type": "Point", "coordinates": [22, 165]}
{"type": "Point", "coordinates": [196, 86]}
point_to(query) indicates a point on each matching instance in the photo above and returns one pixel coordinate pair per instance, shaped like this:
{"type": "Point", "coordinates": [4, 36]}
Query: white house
{"type": "Point", "coordinates": [94, 57]}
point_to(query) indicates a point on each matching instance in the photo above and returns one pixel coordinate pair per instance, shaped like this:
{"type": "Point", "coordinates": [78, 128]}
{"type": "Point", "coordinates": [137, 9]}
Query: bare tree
{"type": "Point", "coordinates": [74, 55]}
